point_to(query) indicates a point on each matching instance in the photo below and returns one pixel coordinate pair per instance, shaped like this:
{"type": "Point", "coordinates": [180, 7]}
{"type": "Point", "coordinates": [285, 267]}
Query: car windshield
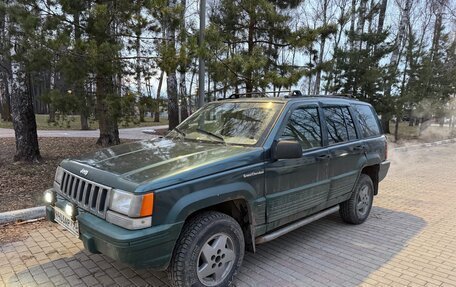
{"type": "Point", "coordinates": [241, 123]}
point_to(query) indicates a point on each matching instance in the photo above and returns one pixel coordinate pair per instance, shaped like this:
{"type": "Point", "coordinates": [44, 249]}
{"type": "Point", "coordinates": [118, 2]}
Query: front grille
{"type": "Point", "coordinates": [88, 195]}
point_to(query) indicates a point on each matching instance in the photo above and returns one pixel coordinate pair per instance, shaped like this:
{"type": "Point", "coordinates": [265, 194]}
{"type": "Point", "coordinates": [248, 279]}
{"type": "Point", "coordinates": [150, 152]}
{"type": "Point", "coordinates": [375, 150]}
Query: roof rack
{"type": "Point", "coordinates": [294, 93]}
{"type": "Point", "coordinates": [332, 96]}
{"type": "Point", "coordinates": [289, 94]}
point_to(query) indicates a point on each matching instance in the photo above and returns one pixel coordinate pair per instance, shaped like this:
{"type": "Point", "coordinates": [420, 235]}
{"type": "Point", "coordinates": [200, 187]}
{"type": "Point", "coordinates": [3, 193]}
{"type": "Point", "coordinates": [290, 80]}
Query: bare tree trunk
{"type": "Point", "coordinates": [51, 118]}
{"type": "Point", "coordinates": [109, 130]}
{"type": "Point", "coordinates": [160, 83]}
{"type": "Point", "coordinates": [78, 87]}
{"type": "Point", "coordinates": [5, 97]}
{"type": "Point", "coordinates": [183, 66]}
{"type": "Point", "coordinates": [208, 93]}
{"type": "Point", "coordinates": [396, 54]}
{"type": "Point", "coordinates": [24, 122]}
{"type": "Point", "coordinates": [381, 15]}
{"type": "Point", "coordinates": [171, 81]}
{"type": "Point", "coordinates": [190, 110]}
{"type": "Point", "coordinates": [352, 24]}
{"type": "Point", "coordinates": [183, 96]}
{"type": "Point", "coordinates": [322, 50]}
{"type": "Point", "coordinates": [386, 115]}
{"type": "Point", "coordinates": [173, 105]}
{"type": "Point", "coordinates": [171, 85]}
{"type": "Point", "coordinates": [5, 69]}
{"type": "Point", "coordinates": [251, 32]}
{"type": "Point", "coordinates": [140, 97]}
{"type": "Point", "coordinates": [361, 21]}
{"type": "Point", "coordinates": [396, 130]}
{"type": "Point", "coordinates": [337, 40]}
{"type": "Point", "coordinates": [437, 30]}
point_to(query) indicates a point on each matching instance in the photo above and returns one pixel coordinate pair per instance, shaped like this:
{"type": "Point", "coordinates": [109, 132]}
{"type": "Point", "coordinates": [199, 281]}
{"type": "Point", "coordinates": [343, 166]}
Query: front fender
{"type": "Point", "coordinates": [208, 197]}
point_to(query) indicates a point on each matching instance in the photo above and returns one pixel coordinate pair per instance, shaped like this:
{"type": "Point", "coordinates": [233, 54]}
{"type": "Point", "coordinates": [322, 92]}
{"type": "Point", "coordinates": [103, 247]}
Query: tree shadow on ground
{"type": "Point", "coordinates": [327, 252]}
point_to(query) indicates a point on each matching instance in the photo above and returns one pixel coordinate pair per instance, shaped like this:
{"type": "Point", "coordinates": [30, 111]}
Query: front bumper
{"type": "Point", "coordinates": [150, 247]}
{"type": "Point", "coordinates": [384, 167]}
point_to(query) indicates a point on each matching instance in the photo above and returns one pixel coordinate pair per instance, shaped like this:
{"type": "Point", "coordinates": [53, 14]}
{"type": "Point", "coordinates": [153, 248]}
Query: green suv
{"type": "Point", "coordinates": [237, 173]}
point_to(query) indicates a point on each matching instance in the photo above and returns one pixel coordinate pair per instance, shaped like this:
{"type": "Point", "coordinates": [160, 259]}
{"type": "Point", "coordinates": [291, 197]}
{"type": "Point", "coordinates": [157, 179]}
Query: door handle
{"type": "Point", "coordinates": [359, 148]}
{"type": "Point", "coordinates": [323, 157]}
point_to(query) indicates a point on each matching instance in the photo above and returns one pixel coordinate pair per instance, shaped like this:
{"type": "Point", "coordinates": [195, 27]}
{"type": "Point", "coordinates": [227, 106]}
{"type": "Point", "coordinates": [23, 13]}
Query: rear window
{"type": "Point", "coordinates": [367, 120]}
{"type": "Point", "coordinates": [335, 122]}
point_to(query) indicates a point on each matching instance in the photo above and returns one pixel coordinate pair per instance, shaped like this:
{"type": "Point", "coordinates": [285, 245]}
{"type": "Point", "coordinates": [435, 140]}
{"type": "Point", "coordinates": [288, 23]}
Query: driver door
{"type": "Point", "coordinates": [298, 187]}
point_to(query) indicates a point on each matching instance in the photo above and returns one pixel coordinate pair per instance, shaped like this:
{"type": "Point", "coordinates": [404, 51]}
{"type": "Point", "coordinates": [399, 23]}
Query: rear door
{"type": "Point", "coordinates": [298, 187]}
{"type": "Point", "coordinates": [347, 152]}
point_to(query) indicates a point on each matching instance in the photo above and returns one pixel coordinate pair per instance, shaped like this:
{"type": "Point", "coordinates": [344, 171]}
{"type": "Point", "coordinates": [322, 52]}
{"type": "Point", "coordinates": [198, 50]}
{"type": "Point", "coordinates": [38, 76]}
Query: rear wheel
{"type": "Point", "coordinates": [209, 251]}
{"type": "Point", "coordinates": [356, 209]}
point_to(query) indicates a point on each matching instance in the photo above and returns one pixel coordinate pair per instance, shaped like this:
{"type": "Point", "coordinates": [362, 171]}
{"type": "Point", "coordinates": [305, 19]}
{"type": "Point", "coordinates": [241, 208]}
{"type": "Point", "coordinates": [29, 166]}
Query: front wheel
{"type": "Point", "coordinates": [357, 208]}
{"type": "Point", "coordinates": [209, 251]}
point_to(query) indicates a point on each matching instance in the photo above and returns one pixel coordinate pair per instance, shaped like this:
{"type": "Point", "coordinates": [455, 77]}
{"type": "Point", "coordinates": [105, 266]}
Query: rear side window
{"type": "Point", "coordinates": [367, 120]}
{"type": "Point", "coordinates": [304, 126]}
{"type": "Point", "coordinates": [335, 121]}
{"type": "Point", "coordinates": [349, 123]}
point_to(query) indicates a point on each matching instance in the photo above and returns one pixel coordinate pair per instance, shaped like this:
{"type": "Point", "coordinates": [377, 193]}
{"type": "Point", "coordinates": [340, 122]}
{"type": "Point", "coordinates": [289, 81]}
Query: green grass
{"type": "Point", "coordinates": [74, 123]}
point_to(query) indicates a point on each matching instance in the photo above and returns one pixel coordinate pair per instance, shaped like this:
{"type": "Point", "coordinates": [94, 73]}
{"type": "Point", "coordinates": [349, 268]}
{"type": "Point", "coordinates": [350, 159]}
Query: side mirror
{"type": "Point", "coordinates": [287, 149]}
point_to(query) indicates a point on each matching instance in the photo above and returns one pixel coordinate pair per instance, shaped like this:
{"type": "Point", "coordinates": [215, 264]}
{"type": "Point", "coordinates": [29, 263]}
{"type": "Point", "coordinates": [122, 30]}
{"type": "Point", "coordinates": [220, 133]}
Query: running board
{"type": "Point", "coordinates": [295, 225]}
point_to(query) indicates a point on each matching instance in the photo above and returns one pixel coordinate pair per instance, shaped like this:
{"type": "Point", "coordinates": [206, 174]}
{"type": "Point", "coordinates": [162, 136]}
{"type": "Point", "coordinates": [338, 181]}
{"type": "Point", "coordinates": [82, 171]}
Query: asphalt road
{"type": "Point", "coordinates": [129, 133]}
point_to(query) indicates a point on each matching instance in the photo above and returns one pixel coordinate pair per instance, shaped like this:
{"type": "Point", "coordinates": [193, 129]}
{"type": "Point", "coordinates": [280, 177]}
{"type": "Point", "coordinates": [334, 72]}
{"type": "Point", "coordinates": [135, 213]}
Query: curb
{"type": "Point", "coordinates": [22, 214]}
{"type": "Point", "coordinates": [424, 145]}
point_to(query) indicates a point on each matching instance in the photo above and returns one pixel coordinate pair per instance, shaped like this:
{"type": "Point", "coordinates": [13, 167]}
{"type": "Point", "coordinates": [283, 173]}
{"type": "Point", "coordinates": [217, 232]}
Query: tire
{"type": "Point", "coordinates": [357, 208]}
{"type": "Point", "coordinates": [209, 251]}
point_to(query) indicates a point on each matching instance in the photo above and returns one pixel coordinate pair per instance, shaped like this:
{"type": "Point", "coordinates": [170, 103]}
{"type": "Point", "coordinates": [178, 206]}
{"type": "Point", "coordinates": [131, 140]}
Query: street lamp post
{"type": "Point", "coordinates": [201, 68]}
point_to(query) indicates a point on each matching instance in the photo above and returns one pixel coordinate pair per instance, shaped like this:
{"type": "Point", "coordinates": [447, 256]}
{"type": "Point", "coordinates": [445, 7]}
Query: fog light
{"type": "Point", "coordinates": [69, 209]}
{"type": "Point", "coordinates": [49, 196]}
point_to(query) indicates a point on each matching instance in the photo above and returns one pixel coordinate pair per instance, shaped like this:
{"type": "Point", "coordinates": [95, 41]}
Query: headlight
{"type": "Point", "coordinates": [130, 204]}
{"type": "Point", "coordinates": [69, 209]}
{"type": "Point", "coordinates": [58, 175]}
{"type": "Point", "coordinates": [121, 201]}
{"type": "Point", "coordinates": [49, 196]}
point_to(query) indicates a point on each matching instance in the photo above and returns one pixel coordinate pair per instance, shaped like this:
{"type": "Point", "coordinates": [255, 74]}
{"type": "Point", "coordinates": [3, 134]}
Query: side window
{"type": "Point", "coordinates": [335, 121]}
{"type": "Point", "coordinates": [349, 123]}
{"type": "Point", "coordinates": [304, 126]}
{"type": "Point", "coordinates": [367, 121]}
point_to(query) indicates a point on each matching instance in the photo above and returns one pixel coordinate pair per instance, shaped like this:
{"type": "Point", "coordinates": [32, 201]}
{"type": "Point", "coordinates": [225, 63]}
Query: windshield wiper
{"type": "Point", "coordinates": [211, 134]}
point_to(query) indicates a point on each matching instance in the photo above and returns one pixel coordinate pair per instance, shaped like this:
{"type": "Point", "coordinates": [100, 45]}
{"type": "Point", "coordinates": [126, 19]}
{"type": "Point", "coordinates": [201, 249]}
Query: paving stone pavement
{"type": "Point", "coordinates": [409, 240]}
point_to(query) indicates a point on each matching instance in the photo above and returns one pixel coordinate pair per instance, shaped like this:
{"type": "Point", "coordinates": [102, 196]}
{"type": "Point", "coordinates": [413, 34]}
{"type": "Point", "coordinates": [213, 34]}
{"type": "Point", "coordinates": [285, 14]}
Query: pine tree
{"type": "Point", "coordinates": [360, 72]}
{"type": "Point", "coordinates": [248, 40]}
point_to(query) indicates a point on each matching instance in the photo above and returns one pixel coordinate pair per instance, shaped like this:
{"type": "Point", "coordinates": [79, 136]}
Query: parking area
{"type": "Point", "coordinates": [409, 240]}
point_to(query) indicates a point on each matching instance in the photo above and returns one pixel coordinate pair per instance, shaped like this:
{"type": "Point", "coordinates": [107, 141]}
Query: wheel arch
{"type": "Point", "coordinates": [372, 171]}
{"type": "Point", "coordinates": [234, 199]}
{"type": "Point", "coordinates": [240, 210]}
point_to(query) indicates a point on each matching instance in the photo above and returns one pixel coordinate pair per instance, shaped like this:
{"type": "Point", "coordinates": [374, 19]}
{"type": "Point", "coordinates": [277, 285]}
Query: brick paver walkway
{"type": "Point", "coordinates": [409, 240]}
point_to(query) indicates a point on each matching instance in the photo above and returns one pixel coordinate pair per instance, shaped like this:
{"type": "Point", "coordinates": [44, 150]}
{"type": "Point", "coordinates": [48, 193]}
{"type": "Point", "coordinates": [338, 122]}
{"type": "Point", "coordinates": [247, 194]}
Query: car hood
{"type": "Point", "coordinates": [163, 161]}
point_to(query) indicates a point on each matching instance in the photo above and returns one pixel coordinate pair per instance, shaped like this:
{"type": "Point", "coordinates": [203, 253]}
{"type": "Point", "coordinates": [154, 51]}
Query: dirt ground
{"type": "Point", "coordinates": [20, 231]}
{"type": "Point", "coordinates": [22, 185]}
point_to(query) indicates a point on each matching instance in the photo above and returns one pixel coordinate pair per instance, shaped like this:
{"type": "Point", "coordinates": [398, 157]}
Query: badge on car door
{"type": "Point", "coordinates": [253, 173]}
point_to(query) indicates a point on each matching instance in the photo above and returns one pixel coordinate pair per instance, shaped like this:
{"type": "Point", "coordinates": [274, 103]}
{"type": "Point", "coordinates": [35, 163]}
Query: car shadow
{"type": "Point", "coordinates": [327, 252]}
